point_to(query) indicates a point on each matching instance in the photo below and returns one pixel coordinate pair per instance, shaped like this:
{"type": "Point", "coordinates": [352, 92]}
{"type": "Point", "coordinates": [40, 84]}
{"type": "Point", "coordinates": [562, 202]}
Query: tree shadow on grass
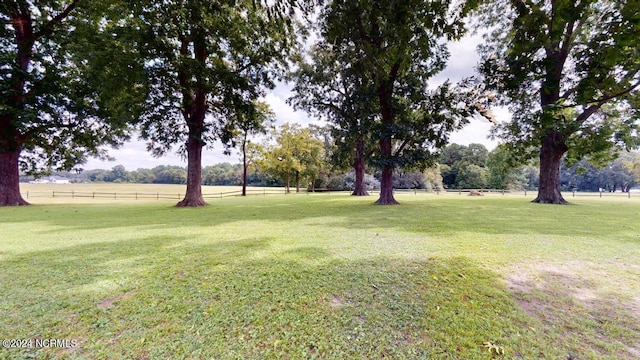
{"type": "Point", "coordinates": [165, 297]}
{"type": "Point", "coordinates": [428, 216]}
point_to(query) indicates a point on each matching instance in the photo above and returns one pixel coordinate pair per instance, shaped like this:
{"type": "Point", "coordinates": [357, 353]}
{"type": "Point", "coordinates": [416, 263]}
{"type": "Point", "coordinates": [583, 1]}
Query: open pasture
{"type": "Point", "coordinates": [323, 276]}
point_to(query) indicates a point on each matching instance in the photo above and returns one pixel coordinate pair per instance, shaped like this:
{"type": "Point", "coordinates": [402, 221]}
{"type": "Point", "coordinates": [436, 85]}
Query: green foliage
{"type": "Point", "coordinates": [568, 71]}
{"type": "Point", "coordinates": [296, 155]}
{"type": "Point", "coordinates": [433, 178]}
{"type": "Point", "coordinates": [379, 56]}
{"type": "Point", "coordinates": [246, 122]}
{"type": "Point", "coordinates": [471, 176]}
{"type": "Point", "coordinates": [69, 82]}
{"type": "Point", "coordinates": [502, 173]}
{"type": "Point", "coordinates": [617, 175]}
{"type": "Point", "coordinates": [207, 65]}
{"type": "Point", "coordinates": [328, 86]}
{"type": "Point", "coordinates": [463, 167]}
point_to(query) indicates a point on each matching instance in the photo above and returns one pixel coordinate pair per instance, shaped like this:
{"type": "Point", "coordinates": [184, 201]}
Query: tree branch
{"type": "Point", "coordinates": [621, 93]}
{"type": "Point", "coordinates": [47, 28]}
{"type": "Point", "coordinates": [401, 148]}
{"type": "Point", "coordinates": [598, 104]}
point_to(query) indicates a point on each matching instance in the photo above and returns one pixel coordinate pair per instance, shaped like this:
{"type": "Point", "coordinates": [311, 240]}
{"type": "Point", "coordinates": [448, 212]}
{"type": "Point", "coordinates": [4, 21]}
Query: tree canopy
{"type": "Point", "coordinates": [393, 48]}
{"type": "Point", "coordinates": [294, 155]}
{"type": "Point", "coordinates": [206, 61]}
{"type": "Point", "coordinates": [68, 84]}
{"type": "Point", "coordinates": [570, 72]}
{"type": "Point", "coordinates": [329, 87]}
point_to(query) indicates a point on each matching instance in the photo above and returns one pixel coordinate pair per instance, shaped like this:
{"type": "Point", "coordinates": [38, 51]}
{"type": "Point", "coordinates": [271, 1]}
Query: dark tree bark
{"type": "Point", "coordinates": [359, 167]}
{"type": "Point", "coordinates": [551, 152]}
{"type": "Point", "coordinates": [385, 92]}
{"type": "Point", "coordinates": [386, 190]}
{"type": "Point", "coordinates": [10, 180]}
{"type": "Point", "coordinates": [297, 181]}
{"type": "Point", "coordinates": [193, 196]}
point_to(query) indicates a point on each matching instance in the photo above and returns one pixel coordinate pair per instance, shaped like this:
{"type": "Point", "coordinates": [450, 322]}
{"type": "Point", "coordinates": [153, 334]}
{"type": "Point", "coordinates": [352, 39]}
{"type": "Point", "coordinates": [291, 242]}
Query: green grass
{"type": "Point", "coordinates": [324, 276]}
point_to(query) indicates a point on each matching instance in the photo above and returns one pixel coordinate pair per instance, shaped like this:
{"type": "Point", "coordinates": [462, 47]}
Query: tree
{"type": "Point", "coordinates": [463, 167]}
{"type": "Point", "coordinates": [570, 72]}
{"type": "Point", "coordinates": [330, 88]}
{"type": "Point", "coordinates": [397, 46]}
{"type": "Point", "coordinates": [206, 63]}
{"type": "Point", "coordinates": [62, 94]}
{"type": "Point", "coordinates": [502, 173]}
{"type": "Point", "coordinates": [433, 178]}
{"type": "Point", "coordinates": [245, 122]}
{"type": "Point", "coordinates": [294, 153]}
{"type": "Point", "coordinates": [471, 176]}
{"type": "Point", "coordinates": [631, 161]}
{"type": "Point", "coordinates": [584, 176]}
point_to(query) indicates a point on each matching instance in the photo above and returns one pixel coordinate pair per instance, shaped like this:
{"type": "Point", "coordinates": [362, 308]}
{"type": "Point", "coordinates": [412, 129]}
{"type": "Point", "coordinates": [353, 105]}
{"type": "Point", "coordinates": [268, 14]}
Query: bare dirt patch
{"type": "Point", "coordinates": [106, 303]}
{"type": "Point", "coordinates": [337, 302]}
{"type": "Point", "coordinates": [583, 303]}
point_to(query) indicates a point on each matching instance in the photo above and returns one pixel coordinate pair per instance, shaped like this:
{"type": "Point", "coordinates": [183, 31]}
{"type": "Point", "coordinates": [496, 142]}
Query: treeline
{"type": "Point", "coordinates": [473, 167]}
{"type": "Point", "coordinates": [460, 167]}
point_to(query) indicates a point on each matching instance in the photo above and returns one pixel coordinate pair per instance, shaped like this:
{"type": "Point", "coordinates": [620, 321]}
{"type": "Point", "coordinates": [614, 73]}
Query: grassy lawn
{"type": "Point", "coordinates": [323, 276]}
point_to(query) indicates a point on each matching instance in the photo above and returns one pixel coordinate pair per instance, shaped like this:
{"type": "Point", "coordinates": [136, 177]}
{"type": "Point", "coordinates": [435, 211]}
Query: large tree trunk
{"type": "Point", "coordinates": [9, 146]}
{"type": "Point", "coordinates": [360, 188]}
{"type": "Point", "coordinates": [194, 102]}
{"type": "Point", "coordinates": [193, 197]}
{"type": "Point", "coordinates": [10, 180]}
{"type": "Point", "coordinates": [386, 188]}
{"type": "Point", "coordinates": [385, 94]}
{"type": "Point", "coordinates": [297, 181]}
{"type": "Point", "coordinates": [386, 151]}
{"type": "Point", "coordinates": [386, 182]}
{"type": "Point", "coordinates": [551, 152]}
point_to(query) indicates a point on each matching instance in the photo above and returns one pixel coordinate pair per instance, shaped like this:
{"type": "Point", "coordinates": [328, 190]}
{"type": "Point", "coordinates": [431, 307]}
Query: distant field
{"type": "Point", "coordinates": [91, 193]}
{"type": "Point", "coordinates": [78, 193]}
{"type": "Point", "coordinates": [322, 276]}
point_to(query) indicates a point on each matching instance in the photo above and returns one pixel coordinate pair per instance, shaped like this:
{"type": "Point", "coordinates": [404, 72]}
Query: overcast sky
{"type": "Point", "coordinates": [133, 155]}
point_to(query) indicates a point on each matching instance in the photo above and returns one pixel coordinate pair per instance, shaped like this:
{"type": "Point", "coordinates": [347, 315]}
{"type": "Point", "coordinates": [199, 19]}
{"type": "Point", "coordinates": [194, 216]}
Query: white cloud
{"type": "Point", "coordinates": [285, 113]}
